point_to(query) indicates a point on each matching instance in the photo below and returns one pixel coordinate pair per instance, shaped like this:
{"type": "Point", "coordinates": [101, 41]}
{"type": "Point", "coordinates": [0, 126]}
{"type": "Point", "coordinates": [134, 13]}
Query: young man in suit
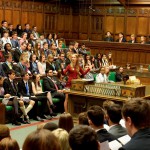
{"type": "Point", "coordinates": [136, 114]}
{"type": "Point", "coordinates": [10, 88]}
{"type": "Point", "coordinates": [8, 65]}
{"type": "Point", "coordinates": [96, 120]}
{"type": "Point", "coordinates": [50, 84]}
{"type": "Point", "coordinates": [25, 90]}
{"type": "Point", "coordinates": [19, 51]}
{"type": "Point", "coordinates": [113, 115]}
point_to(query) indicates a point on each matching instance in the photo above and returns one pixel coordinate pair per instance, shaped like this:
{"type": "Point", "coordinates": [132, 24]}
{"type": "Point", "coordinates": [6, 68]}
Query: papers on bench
{"type": "Point", "coordinates": [104, 146]}
{"type": "Point", "coordinates": [115, 145]}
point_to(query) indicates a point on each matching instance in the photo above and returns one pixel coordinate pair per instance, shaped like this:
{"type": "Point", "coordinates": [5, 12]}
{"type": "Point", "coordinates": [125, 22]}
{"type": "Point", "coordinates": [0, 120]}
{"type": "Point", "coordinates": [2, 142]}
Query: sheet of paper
{"type": "Point", "coordinates": [114, 145]}
{"type": "Point", "coordinates": [104, 146]}
{"type": "Point", "coordinates": [124, 139]}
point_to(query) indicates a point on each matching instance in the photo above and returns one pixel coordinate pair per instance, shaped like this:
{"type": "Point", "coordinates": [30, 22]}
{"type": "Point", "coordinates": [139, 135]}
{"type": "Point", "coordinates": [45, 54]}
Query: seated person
{"type": "Point", "coordinates": [108, 37]}
{"type": "Point", "coordinates": [88, 75]}
{"type": "Point", "coordinates": [25, 90]}
{"type": "Point", "coordinates": [33, 65]}
{"type": "Point", "coordinates": [119, 74]}
{"type": "Point", "coordinates": [104, 61]}
{"type": "Point", "coordinates": [14, 40]}
{"type": "Point", "coordinates": [83, 137]}
{"type": "Point", "coordinates": [135, 113]}
{"type": "Point", "coordinates": [50, 84]}
{"type": "Point", "coordinates": [42, 64]}
{"type": "Point", "coordinates": [113, 117]}
{"type": "Point", "coordinates": [82, 119]}
{"type": "Point", "coordinates": [11, 88]}
{"type": "Point", "coordinates": [82, 49]}
{"type": "Point", "coordinates": [133, 39]}
{"type": "Point", "coordinates": [143, 40]}
{"type": "Point", "coordinates": [8, 65]}
{"type": "Point", "coordinates": [61, 62]}
{"type": "Point", "coordinates": [4, 132]}
{"type": "Point", "coordinates": [101, 77]}
{"type": "Point", "coordinates": [121, 38]}
{"type": "Point", "coordinates": [96, 120]}
{"type": "Point", "coordinates": [37, 90]}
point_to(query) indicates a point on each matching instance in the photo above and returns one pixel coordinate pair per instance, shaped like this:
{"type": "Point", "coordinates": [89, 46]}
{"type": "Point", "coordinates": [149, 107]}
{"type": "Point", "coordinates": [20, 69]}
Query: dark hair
{"type": "Point", "coordinates": [41, 140]}
{"type": "Point", "coordinates": [34, 80]}
{"type": "Point", "coordinates": [7, 56]}
{"type": "Point", "coordinates": [50, 126]}
{"type": "Point", "coordinates": [14, 32]}
{"type": "Point", "coordinates": [83, 120]}
{"type": "Point", "coordinates": [5, 46]}
{"type": "Point", "coordinates": [23, 34]}
{"type": "Point", "coordinates": [23, 73]}
{"type": "Point", "coordinates": [3, 21]}
{"type": "Point", "coordinates": [96, 115]}
{"type": "Point", "coordinates": [83, 138]}
{"type": "Point", "coordinates": [138, 110]}
{"type": "Point", "coordinates": [66, 122]}
{"type": "Point", "coordinates": [10, 72]}
{"type": "Point", "coordinates": [114, 113]}
{"type": "Point", "coordinates": [45, 43]}
{"type": "Point", "coordinates": [71, 43]}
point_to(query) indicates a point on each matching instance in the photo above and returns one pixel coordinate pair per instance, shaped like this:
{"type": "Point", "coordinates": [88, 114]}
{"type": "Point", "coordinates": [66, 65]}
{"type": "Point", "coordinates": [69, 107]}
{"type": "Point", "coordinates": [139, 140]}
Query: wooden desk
{"type": "Point", "coordinates": [144, 76]}
{"type": "Point", "coordinates": [81, 101]}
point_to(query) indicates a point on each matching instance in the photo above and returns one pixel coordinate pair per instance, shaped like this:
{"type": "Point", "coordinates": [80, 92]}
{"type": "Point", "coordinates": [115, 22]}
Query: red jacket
{"type": "Point", "coordinates": [73, 74]}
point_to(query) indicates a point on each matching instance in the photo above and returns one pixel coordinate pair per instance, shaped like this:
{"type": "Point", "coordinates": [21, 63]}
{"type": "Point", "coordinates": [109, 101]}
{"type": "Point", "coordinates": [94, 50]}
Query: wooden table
{"type": "Point", "coordinates": [79, 101]}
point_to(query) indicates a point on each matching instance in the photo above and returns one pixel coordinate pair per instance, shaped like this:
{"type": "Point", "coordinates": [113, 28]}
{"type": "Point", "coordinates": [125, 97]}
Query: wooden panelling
{"type": "Point", "coordinates": [131, 25]}
{"type": "Point", "coordinates": [39, 21]}
{"type": "Point", "coordinates": [67, 23]}
{"type": "Point", "coordinates": [75, 23]}
{"type": "Point", "coordinates": [1, 16]}
{"type": "Point", "coordinates": [142, 25]}
{"type": "Point", "coordinates": [60, 22]}
{"type": "Point", "coordinates": [24, 18]}
{"type": "Point", "coordinates": [16, 17]}
{"type": "Point", "coordinates": [31, 18]}
{"type": "Point", "coordinates": [109, 24]}
{"type": "Point", "coordinates": [83, 24]}
{"type": "Point", "coordinates": [8, 15]}
{"type": "Point", "coordinates": [119, 25]}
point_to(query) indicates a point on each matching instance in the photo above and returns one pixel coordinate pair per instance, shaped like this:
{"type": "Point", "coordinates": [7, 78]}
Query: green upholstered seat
{"type": "Point", "coordinates": [94, 76]}
{"type": "Point", "coordinates": [9, 108]}
{"type": "Point", "coordinates": [112, 76]}
{"type": "Point", "coordinates": [55, 100]}
{"type": "Point", "coordinates": [88, 52]}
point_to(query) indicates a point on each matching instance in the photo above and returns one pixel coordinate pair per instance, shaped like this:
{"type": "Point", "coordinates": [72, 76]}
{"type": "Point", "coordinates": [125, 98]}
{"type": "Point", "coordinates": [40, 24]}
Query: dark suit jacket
{"type": "Point", "coordinates": [118, 131]}
{"type": "Point", "coordinates": [123, 40]}
{"type": "Point", "coordinates": [131, 41]}
{"type": "Point", "coordinates": [48, 85]}
{"type": "Point", "coordinates": [103, 135]}
{"type": "Point", "coordinates": [22, 89]}
{"type": "Point", "coordinates": [119, 77]}
{"type": "Point", "coordinates": [9, 88]}
{"type": "Point", "coordinates": [17, 55]}
{"type": "Point", "coordinates": [6, 67]}
{"type": "Point", "coordinates": [2, 73]}
{"type": "Point", "coordinates": [109, 39]}
{"type": "Point", "coordinates": [139, 141]}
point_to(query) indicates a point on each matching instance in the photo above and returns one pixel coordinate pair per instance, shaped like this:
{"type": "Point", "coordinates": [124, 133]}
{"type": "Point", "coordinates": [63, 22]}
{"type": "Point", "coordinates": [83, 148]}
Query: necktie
{"type": "Point", "coordinates": [55, 84]}
{"type": "Point", "coordinates": [27, 88]}
{"type": "Point", "coordinates": [10, 67]}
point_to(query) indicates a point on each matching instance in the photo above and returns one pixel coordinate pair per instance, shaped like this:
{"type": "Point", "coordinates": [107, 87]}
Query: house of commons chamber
{"type": "Point", "coordinates": [74, 74]}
